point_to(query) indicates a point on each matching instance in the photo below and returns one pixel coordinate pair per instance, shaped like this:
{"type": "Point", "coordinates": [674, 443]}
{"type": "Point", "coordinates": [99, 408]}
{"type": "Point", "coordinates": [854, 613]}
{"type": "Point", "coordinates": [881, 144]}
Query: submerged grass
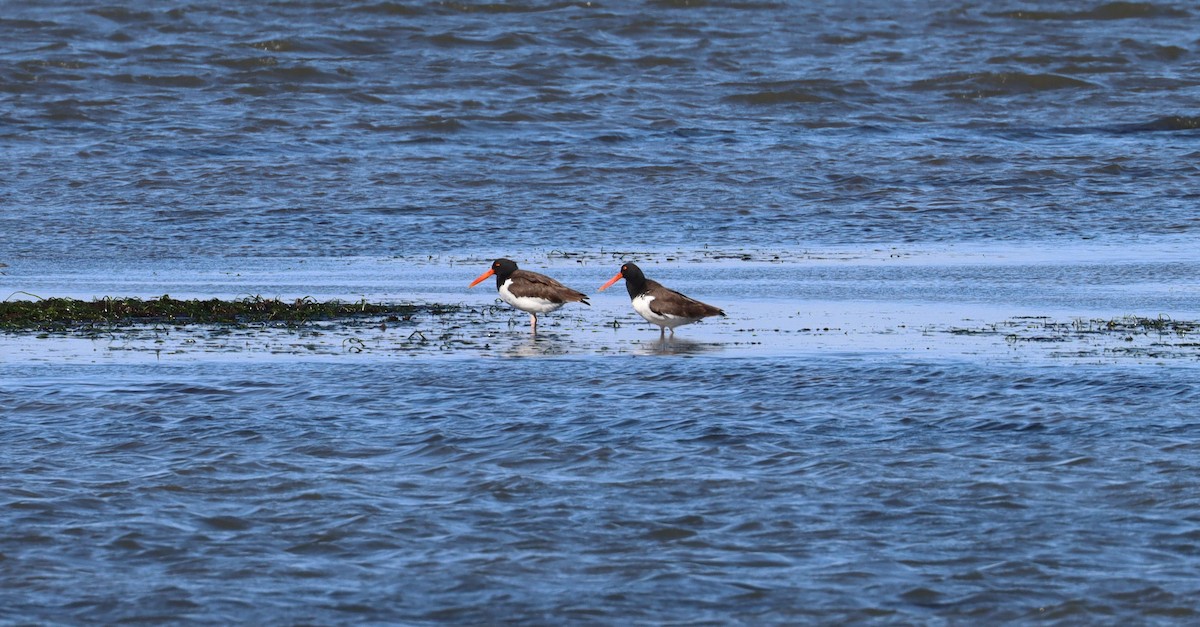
{"type": "Point", "coordinates": [1127, 336]}
{"type": "Point", "coordinates": [1041, 328]}
{"type": "Point", "coordinates": [68, 314]}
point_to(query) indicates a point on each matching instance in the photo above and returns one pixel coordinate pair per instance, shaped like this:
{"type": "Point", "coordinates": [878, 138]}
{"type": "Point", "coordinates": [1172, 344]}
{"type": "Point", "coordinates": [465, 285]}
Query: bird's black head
{"type": "Point", "coordinates": [630, 270]}
{"type": "Point", "coordinates": [503, 268]}
{"type": "Point", "coordinates": [635, 281]}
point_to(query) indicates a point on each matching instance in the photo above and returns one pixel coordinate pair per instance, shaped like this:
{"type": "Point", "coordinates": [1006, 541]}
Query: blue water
{"type": "Point", "coordinates": [314, 128]}
{"type": "Point", "coordinates": [623, 490]}
{"type": "Point", "coordinates": [888, 200]}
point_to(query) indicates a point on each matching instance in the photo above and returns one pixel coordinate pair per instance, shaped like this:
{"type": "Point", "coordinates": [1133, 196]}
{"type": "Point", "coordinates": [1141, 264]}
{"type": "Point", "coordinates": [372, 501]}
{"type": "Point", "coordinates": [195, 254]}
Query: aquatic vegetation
{"type": "Point", "coordinates": [1160, 337]}
{"type": "Point", "coordinates": [1044, 329]}
{"type": "Point", "coordinates": [69, 314]}
{"type": "Point", "coordinates": [308, 327]}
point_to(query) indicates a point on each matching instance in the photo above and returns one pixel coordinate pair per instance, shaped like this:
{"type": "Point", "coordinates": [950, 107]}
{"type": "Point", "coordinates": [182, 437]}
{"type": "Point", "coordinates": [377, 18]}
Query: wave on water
{"type": "Point", "coordinates": [1165, 123]}
{"type": "Point", "coordinates": [988, 84]}
{"type": "Point", "coordinates": [503, 41]}
{"type": "Point", "coordinates": [798, 92]}
{"type": "Point", "coordinates": [1109, 11]}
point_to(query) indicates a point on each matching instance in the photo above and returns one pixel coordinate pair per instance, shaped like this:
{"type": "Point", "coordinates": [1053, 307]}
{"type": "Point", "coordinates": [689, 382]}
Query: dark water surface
{"type": "Point", "coordinates": [330, 128]}
{"type": "Point", "coordinates": [650, 490]}
{"type": "Point", "coordinates": [880, 194]}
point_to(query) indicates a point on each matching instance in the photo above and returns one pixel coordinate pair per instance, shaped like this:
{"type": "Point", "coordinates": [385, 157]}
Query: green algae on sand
{"type": "Point", "coordinates": [69, 314]}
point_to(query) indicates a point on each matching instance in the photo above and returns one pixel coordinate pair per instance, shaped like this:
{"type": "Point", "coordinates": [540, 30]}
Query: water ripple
{"type": "Point", "coordinates": [532, 110]}
{"type": "Point", "coordinates": [662, 476]}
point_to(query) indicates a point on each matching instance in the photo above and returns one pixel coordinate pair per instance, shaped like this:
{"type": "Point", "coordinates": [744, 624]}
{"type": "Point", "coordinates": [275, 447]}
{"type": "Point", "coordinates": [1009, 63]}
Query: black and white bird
{"type": "Point", "coordinates": [660, 305]}
{"type": "Point", "coordinates": [529, 291]}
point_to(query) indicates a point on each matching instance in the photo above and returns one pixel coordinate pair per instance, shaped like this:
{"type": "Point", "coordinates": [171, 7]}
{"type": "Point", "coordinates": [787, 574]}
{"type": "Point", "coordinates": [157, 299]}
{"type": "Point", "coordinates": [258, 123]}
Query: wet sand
{"type": "Point", "coordinates": [1007, 304]}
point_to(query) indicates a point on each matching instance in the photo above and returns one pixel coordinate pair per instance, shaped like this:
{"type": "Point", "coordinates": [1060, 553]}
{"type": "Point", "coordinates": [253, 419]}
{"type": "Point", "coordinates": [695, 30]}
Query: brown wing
{"type": "Point", "coordinates": [532, 284]}
{"type": "Point", "coordinates": [669, 302]}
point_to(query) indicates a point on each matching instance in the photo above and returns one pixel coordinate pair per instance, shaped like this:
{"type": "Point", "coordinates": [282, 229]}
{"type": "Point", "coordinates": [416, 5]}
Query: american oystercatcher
{"type": "Point", "coordinates": [529, 291]}
{"type": "Point", "coordinates": [659, 305]}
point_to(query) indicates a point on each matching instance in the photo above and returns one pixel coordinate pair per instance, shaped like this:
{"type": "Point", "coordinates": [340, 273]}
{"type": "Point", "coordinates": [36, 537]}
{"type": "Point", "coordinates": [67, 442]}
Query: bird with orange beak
{"type": "Point", "coordinates": [659, 305]}
{"type": "Point", "coordinates": [528, 291]}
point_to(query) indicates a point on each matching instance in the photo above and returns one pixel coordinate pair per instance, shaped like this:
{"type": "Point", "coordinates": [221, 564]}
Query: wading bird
{"type": "Point", "coordinates": [659, 305]}
{"type": "Point", "coordinates": [529, 291]}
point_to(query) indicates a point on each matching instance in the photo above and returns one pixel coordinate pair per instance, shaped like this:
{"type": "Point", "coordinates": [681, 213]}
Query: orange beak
{"type": "Point", "coordinates": [611, 281]}
{"type": "Point", "coordinates": [483, 276]}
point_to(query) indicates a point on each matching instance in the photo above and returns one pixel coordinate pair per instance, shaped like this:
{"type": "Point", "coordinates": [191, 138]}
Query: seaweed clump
{"type": "Point", "coordinates": [69, 314]}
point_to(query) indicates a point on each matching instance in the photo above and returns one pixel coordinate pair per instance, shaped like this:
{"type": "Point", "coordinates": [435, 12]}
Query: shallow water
{"type": "Point", "coordinates": [1001, 304]}
{"type": "Point", "coordinates": [913, 443]}
{"type": "Point", "coordinates": [921, 219]}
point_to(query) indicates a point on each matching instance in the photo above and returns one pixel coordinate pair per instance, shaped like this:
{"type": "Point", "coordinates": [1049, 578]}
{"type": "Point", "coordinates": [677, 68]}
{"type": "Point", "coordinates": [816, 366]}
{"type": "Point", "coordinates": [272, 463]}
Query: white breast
{"type": "Point", "coordinates": [527, 303]}
{"type": "Point", "coordinates": [641, 304]}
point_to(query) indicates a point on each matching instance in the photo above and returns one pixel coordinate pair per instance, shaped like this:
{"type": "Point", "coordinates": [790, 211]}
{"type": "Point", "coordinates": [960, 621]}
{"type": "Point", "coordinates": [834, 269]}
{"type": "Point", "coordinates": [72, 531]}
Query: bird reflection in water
{"type": "Point", "coordinates": [540, 345]}
{"type": "Point", "coordinates": [676, 346]}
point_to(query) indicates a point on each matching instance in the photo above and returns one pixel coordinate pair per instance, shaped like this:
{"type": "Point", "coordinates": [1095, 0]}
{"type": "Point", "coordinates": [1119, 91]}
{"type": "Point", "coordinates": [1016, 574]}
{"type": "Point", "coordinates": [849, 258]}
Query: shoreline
{"type": "Point", "coordinates": [352, 331]}
{"type": "Point", "coordinates": [1108, 304]}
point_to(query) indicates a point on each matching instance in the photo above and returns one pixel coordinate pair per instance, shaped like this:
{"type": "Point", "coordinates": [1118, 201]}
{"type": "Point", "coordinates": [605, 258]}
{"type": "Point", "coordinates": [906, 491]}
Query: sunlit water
{"type": "Point", "coordinates": [914, 215]}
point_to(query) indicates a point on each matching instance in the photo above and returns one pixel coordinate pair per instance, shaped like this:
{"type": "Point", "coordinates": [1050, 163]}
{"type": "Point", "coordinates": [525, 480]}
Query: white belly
{"type": "Point", "coordinates": [641, 304]}
{"type": "Point", "coordinates": [527, 303]}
